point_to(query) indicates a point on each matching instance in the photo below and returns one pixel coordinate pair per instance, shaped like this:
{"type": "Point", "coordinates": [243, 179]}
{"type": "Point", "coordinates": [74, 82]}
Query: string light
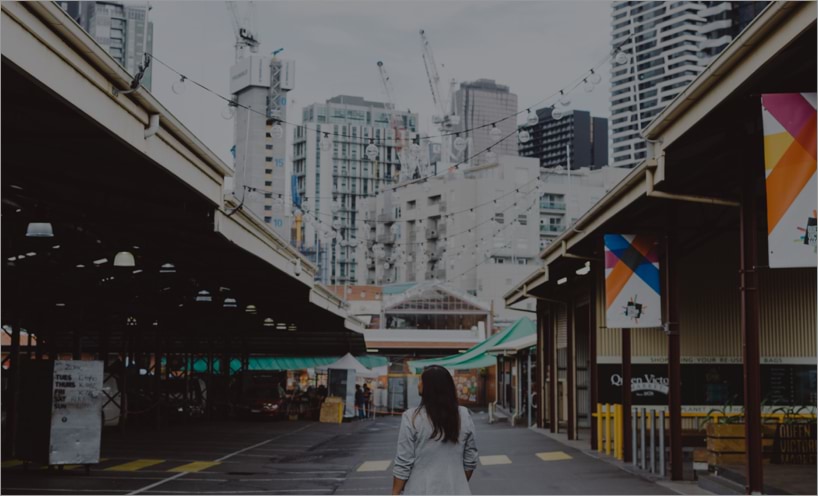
{"type": "Point", "coordinates": [326, 143]}
{"type": "Point", "coordinates": [179, 85]}
{"type": "Point", "coordinates": [565, 100]}
{"type": "Point", "coordinates": [532, 118]}
{"type": "Point", "coordinates": [460, 143]}
{"type": "Point", "coordinates": [524, 136]}
{"type": "Point", "coordinates": [371, 150]}
{"type": "Point", "coordinates": [277, 131]}
{"type": "Point", "coordinates": [619, 57]}
{"type": "Point", "coordinates": [495, 133]}
{"type": "Point", "coordinates": [594, 78]}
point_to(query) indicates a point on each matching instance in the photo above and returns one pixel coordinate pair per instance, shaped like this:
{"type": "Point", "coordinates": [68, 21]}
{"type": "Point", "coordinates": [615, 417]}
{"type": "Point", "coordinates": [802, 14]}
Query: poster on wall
{"type": "Point", "coordinates": [790, 164]}
{"type": "Point", "coordinates": [632, 294]}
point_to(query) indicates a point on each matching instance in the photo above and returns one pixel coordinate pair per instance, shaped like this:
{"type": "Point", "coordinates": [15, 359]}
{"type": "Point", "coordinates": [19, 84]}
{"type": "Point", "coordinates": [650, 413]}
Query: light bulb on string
{"type": "Point", "coordinates": [565, 100]}
{"type": "Point", "coordinates": [491, 157]}
{"type": "Point", "coordinates": [621, 57]}
{"type": "Point", "coordinates": [179, 85]}
{"type": "Point", "coordinates": [277, 131]}
{"type": "Point", "coordinates": [460, 143]}
{"type": "Point", "coordinates": [371, 151]}
{"type": "Point", "coordinates": [495, 133]}
{"type": "Point", "coordinates": [326, 143]}
{"type": "Point", "coordinates": [229, 111]}
{"type": "Point", "coordinates": [531, 119]}
{"type": "Point", "coordinates": [524, 137]}
{"type": "Point", "coordinates": [587, 86]}
{"type": "Point", "coordinates": [414, 149]}
{"type": "Point", "coordinates": [594, 78]}
{"type": "Point", "coordinates": [557, 114]}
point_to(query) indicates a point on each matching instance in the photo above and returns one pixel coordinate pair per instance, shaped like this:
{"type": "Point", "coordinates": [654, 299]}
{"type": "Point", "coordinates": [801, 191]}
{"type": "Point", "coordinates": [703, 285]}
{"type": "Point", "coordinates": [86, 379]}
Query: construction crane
{"type": "Point", "coordinates": [245, 36]}
{"type": "Point", "coordinates": [401, 134]}
{"type": "Point", "coordinates": [445, 119]}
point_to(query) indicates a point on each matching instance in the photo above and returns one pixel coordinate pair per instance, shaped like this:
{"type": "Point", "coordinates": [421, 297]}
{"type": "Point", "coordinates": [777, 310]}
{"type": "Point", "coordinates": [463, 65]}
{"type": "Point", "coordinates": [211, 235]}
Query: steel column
{"type": "Point", "coordinates": [626, 392]}
{"type": "Point", "coordinates": [594, 376]}
{"type": "Point", "coordinates": [570, 372]}
{"type": "Point", "coordinates": [552, 360]}
{"type": "Point", "coordinates": [16, 373]}
{"type": "Point", "coordinates": [750, 338]}
{"type": "Point", "coordinates": [671, 322]}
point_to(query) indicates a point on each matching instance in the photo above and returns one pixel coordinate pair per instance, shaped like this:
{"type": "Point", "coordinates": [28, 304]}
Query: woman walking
{"type": "Point", "coordinates": [437, 453]}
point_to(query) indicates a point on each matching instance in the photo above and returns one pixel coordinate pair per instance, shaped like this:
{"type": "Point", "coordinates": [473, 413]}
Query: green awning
{"type": "Point", "coordinates": [476, 356]}
{"type": "Point", "coordinates": [286, 363]}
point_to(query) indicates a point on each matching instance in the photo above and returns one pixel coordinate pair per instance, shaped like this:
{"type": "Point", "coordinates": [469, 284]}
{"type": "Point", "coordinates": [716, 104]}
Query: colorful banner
{"type": "Point", "coordinates": [790, 163]}
{"type": "Point", "coordinates": [632, 295]}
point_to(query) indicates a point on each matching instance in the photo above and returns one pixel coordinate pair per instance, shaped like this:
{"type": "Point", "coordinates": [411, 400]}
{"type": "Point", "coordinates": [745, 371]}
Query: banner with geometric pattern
{"type": "Point", "coordinates": [632, 293]}
{"type": "Point", "coordinates": [790, 165]}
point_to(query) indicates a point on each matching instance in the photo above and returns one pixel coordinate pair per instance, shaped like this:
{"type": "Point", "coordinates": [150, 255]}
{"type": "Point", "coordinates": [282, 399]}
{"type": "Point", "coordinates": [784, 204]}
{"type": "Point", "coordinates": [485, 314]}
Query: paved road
{"type": "Point", "coordinates": [313, 458]}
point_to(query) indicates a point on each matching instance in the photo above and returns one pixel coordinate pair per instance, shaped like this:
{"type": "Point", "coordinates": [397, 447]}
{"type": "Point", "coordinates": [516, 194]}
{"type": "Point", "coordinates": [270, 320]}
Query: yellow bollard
{"type": "Point", "coordinates": [620, 432]}
{"type": "Point", "coordinates": [607, 428]}
{"type": "Point", "coordinates": [599, 427]}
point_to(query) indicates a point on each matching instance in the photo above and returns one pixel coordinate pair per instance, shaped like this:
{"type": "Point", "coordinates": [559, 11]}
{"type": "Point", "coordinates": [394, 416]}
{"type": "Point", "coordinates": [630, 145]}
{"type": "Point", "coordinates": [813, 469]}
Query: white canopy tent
{"type": "Point", "coordinates": [349, 362]}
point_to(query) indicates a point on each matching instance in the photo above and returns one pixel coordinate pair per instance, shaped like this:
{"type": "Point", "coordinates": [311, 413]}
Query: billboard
{"type": "Point", "coordinates": [632, 293]}
{"type": "Point", "coordinates": [790, 163]}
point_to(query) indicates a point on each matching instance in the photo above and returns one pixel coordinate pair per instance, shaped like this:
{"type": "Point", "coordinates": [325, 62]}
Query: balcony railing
{"type": "Point", "coordinates": [546, 205]}
{"type": "Point", "coordinates": [546, 228]}
{"type": "Point", "coordinates": [386, 238]}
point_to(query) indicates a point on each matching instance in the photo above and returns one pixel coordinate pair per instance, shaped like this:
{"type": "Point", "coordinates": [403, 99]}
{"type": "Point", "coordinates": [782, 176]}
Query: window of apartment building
{"type": "Point", "coordinates": [499, 217]}
{"type": "Point", "coordinates": [268, 219]}
{"type": "Point", "coordinates": [268, 208]}
{"type": "Point", "coordinates": [268, 183]}
{"type": "Point", "coordinates": [268, 171]}
{"type": "Point", "coordinates": [522, 219]}
{"type": "Point", "coordinates": [268, 159]}
{"type": "Point", "coordinates": [411, 205]}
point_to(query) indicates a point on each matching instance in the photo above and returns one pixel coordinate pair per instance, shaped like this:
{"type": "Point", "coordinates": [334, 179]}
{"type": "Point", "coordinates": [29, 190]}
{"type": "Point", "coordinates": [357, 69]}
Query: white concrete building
{"type": "Point", "coordinates": [566, 196]}
{"type": "Point", "coordinates": [331, 167]}
{"type": "Point", "coordinates": [665, 46]}
{"type": "Point", "coordinates": [261, 83]}
{"type": "Point", "coordinates": [463, 228]}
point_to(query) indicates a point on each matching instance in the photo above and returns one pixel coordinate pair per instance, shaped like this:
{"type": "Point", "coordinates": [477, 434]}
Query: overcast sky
{"type": "Point", "coordinates": [535, 47]}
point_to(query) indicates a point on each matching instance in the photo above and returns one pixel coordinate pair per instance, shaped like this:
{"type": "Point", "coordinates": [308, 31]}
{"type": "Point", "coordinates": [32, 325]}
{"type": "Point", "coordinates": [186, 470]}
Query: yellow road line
{"type": "Point", "coordinates": [552, 456]}
{"type": "Point", "coordinates": [194, 467]}
{"type": "Point", "coordinates": [134, 465]}
{"type": "Point", "coordinates": [375, 466]}
{"type": "Point", "coordinates": [495, 460]}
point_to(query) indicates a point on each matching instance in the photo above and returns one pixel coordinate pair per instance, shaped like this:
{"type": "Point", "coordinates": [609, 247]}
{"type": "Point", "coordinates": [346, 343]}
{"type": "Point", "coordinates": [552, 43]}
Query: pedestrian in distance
{"type": "Point", "coordinates": [359, 401]}
{"type": "Point", "coordinates": [437, 451]}
{"type": "Point", "coordinates": [367, 401]}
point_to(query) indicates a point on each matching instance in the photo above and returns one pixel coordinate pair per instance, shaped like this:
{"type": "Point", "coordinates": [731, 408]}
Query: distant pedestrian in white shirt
{"type": "Point", "coordinates": [437, 453]}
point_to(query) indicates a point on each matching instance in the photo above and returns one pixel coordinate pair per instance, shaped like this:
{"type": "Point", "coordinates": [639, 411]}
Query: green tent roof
{"type": "Point", "coordinates": [288, 363]}
{"type": "Point", "coordinates": [476, 356]}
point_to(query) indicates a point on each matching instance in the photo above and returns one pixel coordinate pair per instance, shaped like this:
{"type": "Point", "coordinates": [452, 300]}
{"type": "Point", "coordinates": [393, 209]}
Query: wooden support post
{"type": "Point", "coordinates": [750, 338]}
{"type": "Point", "coordinates": [626, 394]}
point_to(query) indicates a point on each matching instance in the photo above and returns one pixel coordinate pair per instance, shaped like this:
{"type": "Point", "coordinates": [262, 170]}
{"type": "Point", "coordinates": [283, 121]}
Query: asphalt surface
{"type": "Point", "coordinates": [313, 458]}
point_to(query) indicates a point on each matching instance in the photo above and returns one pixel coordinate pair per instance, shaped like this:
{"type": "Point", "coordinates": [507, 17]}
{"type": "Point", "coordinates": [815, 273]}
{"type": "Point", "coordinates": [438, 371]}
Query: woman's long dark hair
{"type": "Point", "coordinates": [439, 399]}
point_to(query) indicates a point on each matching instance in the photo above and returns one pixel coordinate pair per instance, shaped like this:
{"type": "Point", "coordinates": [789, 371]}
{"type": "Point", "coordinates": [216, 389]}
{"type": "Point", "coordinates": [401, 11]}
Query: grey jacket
{"type": "Point", "coordinates": [430, 466]}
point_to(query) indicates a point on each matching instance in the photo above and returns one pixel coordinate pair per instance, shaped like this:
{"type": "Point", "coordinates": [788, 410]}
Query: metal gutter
{"type": "Point", "coordinates": [752, 36]}
{"type": "Point", "coordinates": [82, 43]}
